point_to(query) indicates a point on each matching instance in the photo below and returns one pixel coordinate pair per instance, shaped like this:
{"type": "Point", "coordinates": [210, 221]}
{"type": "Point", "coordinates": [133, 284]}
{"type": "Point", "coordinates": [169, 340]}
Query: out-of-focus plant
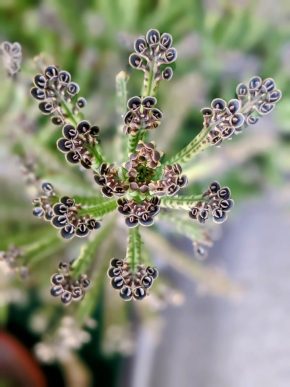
{"type": "Point", "coordinates": [142, 183]}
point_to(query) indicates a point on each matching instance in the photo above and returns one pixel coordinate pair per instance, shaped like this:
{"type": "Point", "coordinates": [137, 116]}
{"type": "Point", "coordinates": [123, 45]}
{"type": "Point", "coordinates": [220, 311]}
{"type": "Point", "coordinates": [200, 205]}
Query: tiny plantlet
{"type": "Point", "coordinates": [144, 183]}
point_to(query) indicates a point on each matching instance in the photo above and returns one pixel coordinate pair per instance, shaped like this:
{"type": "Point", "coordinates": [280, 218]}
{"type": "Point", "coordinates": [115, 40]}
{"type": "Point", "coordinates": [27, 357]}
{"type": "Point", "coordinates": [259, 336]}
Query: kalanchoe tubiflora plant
{"type": "Point", "coordinates": [148, 183]}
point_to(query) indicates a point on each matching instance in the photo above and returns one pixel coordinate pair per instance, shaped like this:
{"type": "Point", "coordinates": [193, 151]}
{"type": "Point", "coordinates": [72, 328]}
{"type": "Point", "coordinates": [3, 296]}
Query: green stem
{"type": "Point", "coordinates": [182, 202]}
{"type": "Point", "coordinates": [121, 90]}
{"type": "Point", "coordinates": [199, 143]}
{"type": "Point", "coordinates": [88, 251]}
{"type": "Point", "coordinates": [121, 107]}
{"type": "Point", "coordinates": [149, 83]}
{"type": "Point", "coordinates": [133, 254]}
{"type": "Point", "coordinates": [195, 146]}
{"type": "Point", "coordinates": [100, 209]}
{"type": "Point", "coordinates": [185, 227]}
{"type": "Point", "coordinates": [41, 249]}
{"type": "Point", "coordinates": [69, 112]}
{"type": "Point", "coordinates": [133, 141]}
{"type": "Point", "coordinates": [88, 304]}
{"type": "Point", "coordinates": [149, 89]}
{"type": "Point", "coordinates": [90, 201]}
{"type": "Point", "coordinates": [97, 153]}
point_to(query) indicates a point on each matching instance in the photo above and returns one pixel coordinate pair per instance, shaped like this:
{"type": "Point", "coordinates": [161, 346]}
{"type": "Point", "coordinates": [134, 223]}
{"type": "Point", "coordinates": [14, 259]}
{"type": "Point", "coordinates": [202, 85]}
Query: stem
{"type": "Point", "coordinates": [121, 90]}
{"type": "Point", "coordinates": [133, 141]}
{"type": "Point", "coordinates": [186, 227]}
{"type": "Point", "coordinates": [41, 249]}
{"type": "Point", "coordinates": [182, 202]}
{"type": "Point", "coordinates": [88, 304]}
{"type": "Point", "coordinates": [149, 89]}
{"type": "Point", "coordinates": [69, 112]}
{"type": "Point", "coordinates": [199, 143]}
{"type": "Point", "coordinates": [100, 209]}
{"type": "Point", "coordinates": [97, 153]}
{"type": "Point", "coordinates": [90, 201]}
{"type": "Point", "coordinates": [134, 247]}
{"type": "Point", "coordinates": [121, 107]}
{"type": "Point", "coordinates": [87, 253]}
{"type": "Point", "coordinates": [149, 83]}
{"type": "Point", "coordinates": [195, 146]}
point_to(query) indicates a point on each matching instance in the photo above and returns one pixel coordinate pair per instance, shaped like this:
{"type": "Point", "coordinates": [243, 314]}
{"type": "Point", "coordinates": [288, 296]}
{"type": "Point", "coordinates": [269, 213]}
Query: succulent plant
{"type": "Point", "coordinates": [140, 184]}
{"type": "Point", "coordinates": [150, 180]}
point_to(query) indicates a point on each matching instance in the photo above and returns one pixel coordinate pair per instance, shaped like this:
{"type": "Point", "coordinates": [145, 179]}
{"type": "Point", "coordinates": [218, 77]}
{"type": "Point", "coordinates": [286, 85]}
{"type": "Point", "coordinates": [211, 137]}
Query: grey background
{"type": "Point", "coordinates": [212, 342]}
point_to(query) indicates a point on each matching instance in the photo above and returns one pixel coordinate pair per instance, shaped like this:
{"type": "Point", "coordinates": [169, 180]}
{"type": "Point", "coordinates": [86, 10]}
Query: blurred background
{"type": "Point", "coordinates": [206, 334]}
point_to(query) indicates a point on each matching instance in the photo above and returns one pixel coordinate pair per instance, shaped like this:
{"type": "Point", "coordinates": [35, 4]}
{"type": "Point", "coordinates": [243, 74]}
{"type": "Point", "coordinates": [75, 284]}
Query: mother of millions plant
{"type": "Point", "coordinates": [148, 181]}
{"type": "Point", "coordinates": [142, 184]}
